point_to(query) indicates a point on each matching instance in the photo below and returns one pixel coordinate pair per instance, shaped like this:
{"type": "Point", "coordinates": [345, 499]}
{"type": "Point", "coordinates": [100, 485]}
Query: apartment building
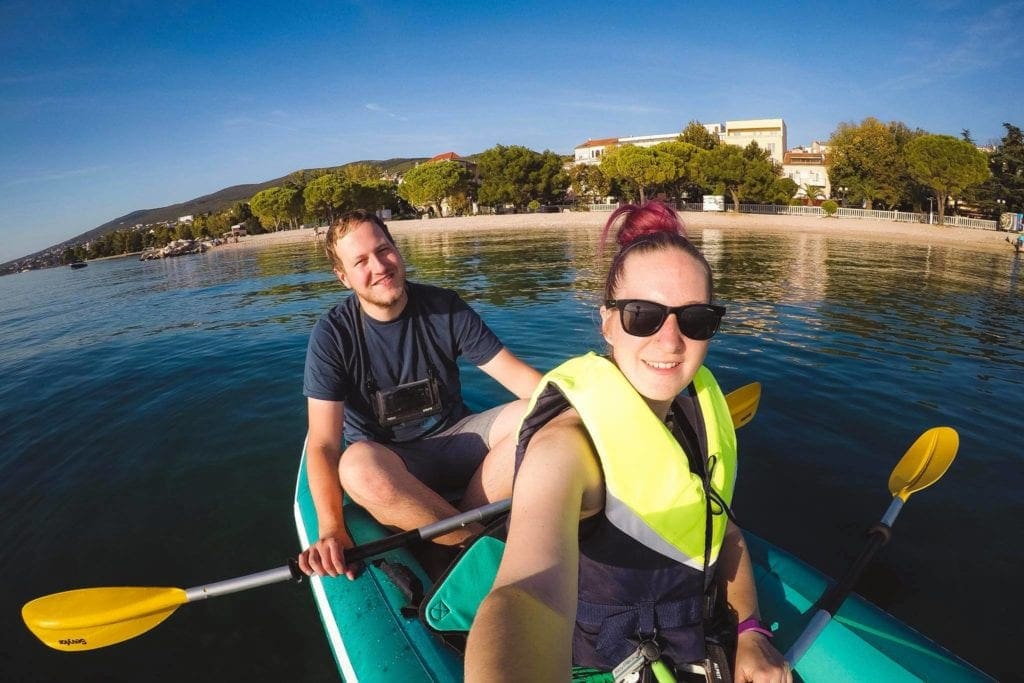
{"type": "Point", "coordinates": [807, 167]}
{"type": "Point", "coordinates": [770, 134]}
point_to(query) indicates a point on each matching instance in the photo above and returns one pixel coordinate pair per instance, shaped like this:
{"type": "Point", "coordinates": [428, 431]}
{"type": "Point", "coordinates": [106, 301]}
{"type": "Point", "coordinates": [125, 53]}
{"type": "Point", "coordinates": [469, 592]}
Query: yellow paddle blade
{"type": "Point", "coordinates": [743, 403]}
{"type": "Point", "coordinates": [925, 462]}
{"type": "Point", "coordinates": [90, 618]}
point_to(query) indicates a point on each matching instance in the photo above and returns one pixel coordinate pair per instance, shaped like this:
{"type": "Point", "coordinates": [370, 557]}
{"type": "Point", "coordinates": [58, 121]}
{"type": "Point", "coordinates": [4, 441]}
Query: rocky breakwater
{"type": "Point", "coordinates": [177, 248]}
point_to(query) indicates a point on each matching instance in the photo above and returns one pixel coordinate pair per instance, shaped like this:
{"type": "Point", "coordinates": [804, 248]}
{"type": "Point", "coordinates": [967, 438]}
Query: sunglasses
{"type": "Point", "coordinates": [642, 318]}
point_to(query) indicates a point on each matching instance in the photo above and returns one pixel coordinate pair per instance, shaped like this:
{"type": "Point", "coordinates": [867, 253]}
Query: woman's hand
{"type": "Point", "coordinates": [758, 662]}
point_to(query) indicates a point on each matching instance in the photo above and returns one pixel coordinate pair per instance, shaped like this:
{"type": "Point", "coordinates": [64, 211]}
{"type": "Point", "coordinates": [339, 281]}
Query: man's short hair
{"type": "Point", "coordinates": [346, 223]}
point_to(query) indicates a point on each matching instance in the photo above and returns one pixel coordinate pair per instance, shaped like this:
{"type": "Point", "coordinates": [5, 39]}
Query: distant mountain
{"type": "Point", "coordinates": [210, 203]}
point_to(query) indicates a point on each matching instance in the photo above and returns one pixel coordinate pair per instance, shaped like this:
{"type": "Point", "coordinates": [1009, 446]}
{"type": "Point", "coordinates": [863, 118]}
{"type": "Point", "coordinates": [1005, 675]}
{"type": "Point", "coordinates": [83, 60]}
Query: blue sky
{"type": "Point", "coordinates": [107, 107]}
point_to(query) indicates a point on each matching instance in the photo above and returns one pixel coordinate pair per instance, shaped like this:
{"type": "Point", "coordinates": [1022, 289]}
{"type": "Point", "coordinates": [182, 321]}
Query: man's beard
{"type": "Point", "coordinates": [385, 300]}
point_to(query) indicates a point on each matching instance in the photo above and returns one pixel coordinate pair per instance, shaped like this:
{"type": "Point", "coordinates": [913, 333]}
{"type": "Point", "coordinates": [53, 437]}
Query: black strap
{"type": "Point", "coordinates": [406, 582]}
{"type": "Point", "coordinates": [364, 351]}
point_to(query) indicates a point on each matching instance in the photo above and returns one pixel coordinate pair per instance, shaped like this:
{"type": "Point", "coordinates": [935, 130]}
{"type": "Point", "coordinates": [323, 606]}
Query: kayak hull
{"type": "Point", "coordinates": [862, 643]}
{"type": "Point", "coordinates": [373, 641]}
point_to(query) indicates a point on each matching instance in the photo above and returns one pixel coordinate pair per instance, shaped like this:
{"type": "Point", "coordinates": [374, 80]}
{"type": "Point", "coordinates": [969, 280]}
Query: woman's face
{"type": "Point", "coordinates": [663, 364]}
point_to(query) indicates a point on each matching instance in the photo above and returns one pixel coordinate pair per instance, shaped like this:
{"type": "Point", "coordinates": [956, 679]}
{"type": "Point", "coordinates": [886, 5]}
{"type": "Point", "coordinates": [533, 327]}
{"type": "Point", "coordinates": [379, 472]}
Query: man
{"type": "Point", "coordinates": [381, 368]}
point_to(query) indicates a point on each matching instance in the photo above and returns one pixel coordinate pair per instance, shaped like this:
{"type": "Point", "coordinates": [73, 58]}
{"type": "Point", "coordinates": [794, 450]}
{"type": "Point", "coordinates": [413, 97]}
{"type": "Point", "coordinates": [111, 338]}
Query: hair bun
{"type": "Point", "coordinates": [639, 221]}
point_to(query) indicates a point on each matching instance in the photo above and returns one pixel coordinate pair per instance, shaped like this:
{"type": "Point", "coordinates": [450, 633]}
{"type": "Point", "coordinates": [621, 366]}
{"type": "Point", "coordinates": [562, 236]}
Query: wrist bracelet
{"type": "Point", "coordinates": [755, 625]}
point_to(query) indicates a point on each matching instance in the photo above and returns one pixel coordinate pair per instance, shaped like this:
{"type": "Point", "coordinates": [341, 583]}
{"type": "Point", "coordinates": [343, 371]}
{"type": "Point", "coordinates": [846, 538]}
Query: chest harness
{"type": "Point", "coordinates": [408, 401]}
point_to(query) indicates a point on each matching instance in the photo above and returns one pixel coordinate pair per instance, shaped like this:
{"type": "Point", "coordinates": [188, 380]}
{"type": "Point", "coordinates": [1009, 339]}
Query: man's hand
{"type": "Point", "coordinates": [758, 662]}
{"type": "Point", "coordinates": [326, 557]}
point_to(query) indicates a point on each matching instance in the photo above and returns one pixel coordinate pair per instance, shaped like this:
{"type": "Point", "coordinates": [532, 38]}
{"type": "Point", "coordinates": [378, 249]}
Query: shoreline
{"type": "Point", "coordinates": [696, 223]}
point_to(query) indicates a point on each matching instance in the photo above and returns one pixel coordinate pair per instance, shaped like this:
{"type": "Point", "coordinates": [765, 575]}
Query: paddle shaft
{"type": "Point", "coordinates": [830, 602]}
{"type": "Point", "coordinates": [243, 583]}
{"type": "Point", "coordinates": [425, 533]}
{"type": "Point", "coordinates": [290, 571]}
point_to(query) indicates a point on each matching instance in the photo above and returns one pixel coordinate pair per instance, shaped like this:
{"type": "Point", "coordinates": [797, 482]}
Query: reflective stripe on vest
{"type": "Point", "coordinates": [650, 492]}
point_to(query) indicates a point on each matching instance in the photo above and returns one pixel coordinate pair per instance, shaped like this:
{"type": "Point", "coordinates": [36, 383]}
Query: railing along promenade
{"type": "Point", "coordinates": [782, 210]}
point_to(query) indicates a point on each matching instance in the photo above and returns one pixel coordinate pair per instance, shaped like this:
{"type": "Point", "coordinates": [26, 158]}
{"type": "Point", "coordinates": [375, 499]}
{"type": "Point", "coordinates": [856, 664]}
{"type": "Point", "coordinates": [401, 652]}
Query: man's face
{"type": "Point", "coordinates": [371, 267]}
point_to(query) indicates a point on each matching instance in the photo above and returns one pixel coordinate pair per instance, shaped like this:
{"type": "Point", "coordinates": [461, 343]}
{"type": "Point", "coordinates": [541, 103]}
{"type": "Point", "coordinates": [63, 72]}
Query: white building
{"type": "Point", "coordinates": [806, 166]}
{"type": "Point", "coordinates": [591, 151]}
{"type": "Point", "coordinates": [770, 134]}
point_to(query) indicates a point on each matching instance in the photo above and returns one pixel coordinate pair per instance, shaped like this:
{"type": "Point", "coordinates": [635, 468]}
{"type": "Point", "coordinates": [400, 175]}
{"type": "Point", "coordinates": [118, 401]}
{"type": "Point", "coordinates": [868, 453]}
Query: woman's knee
{"type": "Point", "coordinates": [507, 420]}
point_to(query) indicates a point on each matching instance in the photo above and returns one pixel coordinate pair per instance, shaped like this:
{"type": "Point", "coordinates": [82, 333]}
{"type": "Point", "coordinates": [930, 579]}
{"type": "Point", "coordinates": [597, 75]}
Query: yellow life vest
{"type": "Point", "coordinates": [650, 492]}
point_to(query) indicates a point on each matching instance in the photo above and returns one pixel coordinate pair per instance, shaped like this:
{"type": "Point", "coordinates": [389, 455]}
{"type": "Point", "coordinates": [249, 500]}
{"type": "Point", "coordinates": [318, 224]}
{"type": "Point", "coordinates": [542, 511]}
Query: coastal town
{"type": "Point", "coordinates": [871, 169]}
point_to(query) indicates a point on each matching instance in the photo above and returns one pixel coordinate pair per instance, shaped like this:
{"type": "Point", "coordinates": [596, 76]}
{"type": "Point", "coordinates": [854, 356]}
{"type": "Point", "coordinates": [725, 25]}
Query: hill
{"type": "Point", "coordinates": [210, 203]}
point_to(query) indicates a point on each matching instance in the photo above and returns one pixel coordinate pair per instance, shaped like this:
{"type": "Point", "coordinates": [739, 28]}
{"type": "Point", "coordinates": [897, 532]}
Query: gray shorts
{"type": "Point", "coordinates": [446, 461]}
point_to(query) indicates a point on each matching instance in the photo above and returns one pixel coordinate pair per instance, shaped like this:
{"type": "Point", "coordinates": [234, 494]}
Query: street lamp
{"type": "Point", "coordinates": [930, 198]}
{"type": "Point", "coordinates": [842, 194]}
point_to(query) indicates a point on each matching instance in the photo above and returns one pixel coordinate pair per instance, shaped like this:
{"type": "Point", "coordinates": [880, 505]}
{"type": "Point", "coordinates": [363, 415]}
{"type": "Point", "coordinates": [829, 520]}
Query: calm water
{"type": "Point", "coordinates": [151, 417]}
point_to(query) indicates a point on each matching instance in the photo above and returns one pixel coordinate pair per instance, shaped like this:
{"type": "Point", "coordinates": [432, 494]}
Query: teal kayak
{"type": "Point", "coordinates": [373, 641]}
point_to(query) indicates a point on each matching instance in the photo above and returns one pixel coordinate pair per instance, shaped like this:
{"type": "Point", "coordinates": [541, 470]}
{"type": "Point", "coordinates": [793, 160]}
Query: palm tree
{"type": "Point", "coordinates": [812, 192]}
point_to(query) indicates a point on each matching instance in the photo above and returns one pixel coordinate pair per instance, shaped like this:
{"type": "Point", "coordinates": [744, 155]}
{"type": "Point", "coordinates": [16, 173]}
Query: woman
{"type": "Point", "coordinates": [616, 530]}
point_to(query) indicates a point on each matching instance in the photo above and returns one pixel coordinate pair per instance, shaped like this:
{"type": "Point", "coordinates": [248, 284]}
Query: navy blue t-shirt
{"type": "Point", "coordinates": [444, 324]}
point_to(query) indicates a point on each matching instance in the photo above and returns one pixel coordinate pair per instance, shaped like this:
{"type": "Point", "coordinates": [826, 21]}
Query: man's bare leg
{"type": "Point", "coordinates": [377, 479]}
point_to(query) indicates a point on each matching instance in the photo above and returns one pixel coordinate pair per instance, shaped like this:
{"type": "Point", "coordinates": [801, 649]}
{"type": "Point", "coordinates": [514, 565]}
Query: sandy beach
{"type": "Point", "coordinates": [847, 228]}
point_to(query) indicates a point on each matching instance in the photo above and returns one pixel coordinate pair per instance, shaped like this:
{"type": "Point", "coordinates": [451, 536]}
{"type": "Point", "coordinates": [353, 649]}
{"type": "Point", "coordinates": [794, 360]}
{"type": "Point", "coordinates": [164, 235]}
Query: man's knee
{"type": "Point", "coordinates": [366, 471]}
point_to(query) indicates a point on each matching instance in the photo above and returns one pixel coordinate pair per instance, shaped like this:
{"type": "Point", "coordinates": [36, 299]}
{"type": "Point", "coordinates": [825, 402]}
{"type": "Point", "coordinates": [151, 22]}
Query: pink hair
{"type": "Point", "coordinates": [651, 227]}
{"type": "Point", "coordinates": [637, 221]}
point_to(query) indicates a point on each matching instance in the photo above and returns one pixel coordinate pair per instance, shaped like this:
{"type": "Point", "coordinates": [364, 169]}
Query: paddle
{"type": "Point", "coordinates": [743, 403]}
{"type": "Point", "coordinates": [920, 467]}
{"type": "Point", "coordinates": [91, 618]}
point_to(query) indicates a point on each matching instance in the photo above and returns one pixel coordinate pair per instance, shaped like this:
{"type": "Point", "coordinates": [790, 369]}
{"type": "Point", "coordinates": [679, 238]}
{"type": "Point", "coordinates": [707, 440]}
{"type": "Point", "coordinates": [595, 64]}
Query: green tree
{"type": "Point", "coordinates": [516, 174]}
{"type": "Point", "coordinates": [549, 181]}
{"type": "Point", "coordinates": [640, 168]}
{"type": "Point", "coordinates": [325, 195]}
{"type": "Point", "coordinates": [589, 182]}
{"type": "Point", "coordinates": [699, 136]}
{"type": "Point", "coordinates": [276, 205]}
{"type": "Point", "coordinates": [683, 155]}
{"type": "Point", "coordinates": [812, 192]}
{"type": "Point", "coordinates": [427, 185]}
{"type": "Point", "coordinates": [361, 173]}
{"type": "Point", "coordinates": [869, 158]}
{"type": "Point", "coordinates": [134, 242]}
{"type": "Point", "coordinates": [373, 194]}
{"type": "Point", "coordinates": [947, 165]}
{"type": "Point", "coordinates": [781, 191]}
{"type": "Point", "coordinates": [240, 212]}
{"type": "Point", "coordinates": [746, 173]}
{"type": "Point", "coordinates": [460, 204]}
{"type": "Point", "coordinates": [906, 191]}
{"type": "Point", "coordinates": [1004, 191]}
{"type": "Point", "coordinates": [183, 231]}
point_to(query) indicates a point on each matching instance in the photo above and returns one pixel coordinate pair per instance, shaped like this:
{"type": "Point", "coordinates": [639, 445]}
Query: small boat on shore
{"type": "Point", "coordinates": [376, 636]}
{"type": "Point", "coordinates": [78, 264]}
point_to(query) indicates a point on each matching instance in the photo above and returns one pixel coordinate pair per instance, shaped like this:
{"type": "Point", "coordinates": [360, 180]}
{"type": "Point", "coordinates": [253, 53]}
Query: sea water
{"type": "Point", "coordinates": [151, 418]}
